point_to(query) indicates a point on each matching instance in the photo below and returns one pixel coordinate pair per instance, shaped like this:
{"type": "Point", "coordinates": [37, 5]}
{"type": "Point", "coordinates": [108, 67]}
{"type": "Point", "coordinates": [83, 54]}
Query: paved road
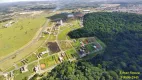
{"type": "Point", "coordinates": [35, 38]}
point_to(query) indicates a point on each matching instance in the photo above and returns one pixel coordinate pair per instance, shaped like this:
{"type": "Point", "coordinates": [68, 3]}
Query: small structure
{"type": "Point", "coordinates": [78, 15]}
{"type": "Point", "coordinates": [62, 54]}
{"type": "Point", "coordinates": [61, 22]}
{"type": "Point", "coordinates": [86, 11]}
{"type": "Point", "coordinates": [70, 16]}
{"type": "Point", "coordinates": [36, 69]}
{"type": "Point", "coordinates": [24, 69]}
{"type": "Point", "coordinates": [11, 74]}
{"type": "Point", "coordinates": [44, 52]}
{"type": "Point", "coordinates": [61, 59]}
{"type": "Point", "coordinates": [95, 46]}
{"type": "Point", "coordinates": [82, 44]}
{"type": "Point", "coordinates": [9, 24]}
{"type": "Point", "coordinates": [45, 32]}
{"type": "Point", "coordinates": [5, 74]}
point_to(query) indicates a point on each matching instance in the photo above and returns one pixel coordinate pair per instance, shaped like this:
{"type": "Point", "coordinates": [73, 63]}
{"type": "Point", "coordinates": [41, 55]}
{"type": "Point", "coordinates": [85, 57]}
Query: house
{"type": "Point", "coordinates": [78, 14]}
{"type": "Point", "coordinates": [62, 54]}
{"type": "Point", "coordinates": [24, 69]}
{"type": "Point", "coordinates": [11, 74]}
{"type": "Point", "coordinates": [59, 22]}
{"type": "Point", "coordinates": [5, 74]}
{"type": "Point", "coordinates": [36, 69]}
{"type": "Point", "coordinates": [95, 46]}
{"type": "Point", "coordinates": [70, 16]}
{"type": "Point", "coordinates": [86, 11]}
{"type": "Point", "coordinates": [60, 59]}
{"type": "Point", "coordinates": [45, 32]}
{"type": "Point", "coordinates": [44, 52]}
{"type": "Point", "coordinates": [82, 44]}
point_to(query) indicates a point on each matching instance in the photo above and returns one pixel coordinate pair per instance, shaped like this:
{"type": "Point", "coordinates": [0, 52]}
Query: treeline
{"type": "Point", "coordinates": [122, 33]}
{"type": "Point", "coordinates": [80, 71]}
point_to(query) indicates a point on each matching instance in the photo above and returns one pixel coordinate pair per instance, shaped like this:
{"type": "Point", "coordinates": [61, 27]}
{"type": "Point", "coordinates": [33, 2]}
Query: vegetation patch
{"type": "Point", "coordinates": [121, 33]}
{"type": "Point", "coordinates": [49, 61]}
{"type": "Point", "coordinates": [65, 45]}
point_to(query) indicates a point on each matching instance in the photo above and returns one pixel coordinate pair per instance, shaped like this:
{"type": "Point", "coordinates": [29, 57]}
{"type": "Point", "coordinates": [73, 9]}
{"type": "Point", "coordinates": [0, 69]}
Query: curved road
{"type": "Point", "coordinates": [34, 39]}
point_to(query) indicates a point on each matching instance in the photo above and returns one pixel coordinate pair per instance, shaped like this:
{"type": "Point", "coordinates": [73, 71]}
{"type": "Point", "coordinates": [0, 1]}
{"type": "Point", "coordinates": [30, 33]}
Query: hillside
{"type": "Point", "coordinates": [122, 58]}
{"type": "Point", "coordinates": [122, 33]}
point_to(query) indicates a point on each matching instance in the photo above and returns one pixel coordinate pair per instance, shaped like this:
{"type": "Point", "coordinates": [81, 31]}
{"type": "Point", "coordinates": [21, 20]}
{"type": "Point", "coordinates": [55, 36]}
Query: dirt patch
{"type": "Point", "coordinates": [42, 66]}
{"type": "Point", "coordinates": [53, 47]}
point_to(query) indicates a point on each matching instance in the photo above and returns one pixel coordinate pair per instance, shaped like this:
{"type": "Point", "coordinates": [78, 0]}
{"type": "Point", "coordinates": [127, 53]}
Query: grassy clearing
{"type": "Point", "coordinates": [9, 62]}
{"type": "Point", "coordinates": [64, 30]}
{"type": "Point", "coordinates": [65, 45]}
{"type": "Point", "coordinates": [21, 76]}
{"type": "Point", "coordinates": [41, 49]}
{"type": "Point", "coordinates": [2, 78]}
{"type": "Point", "coordinates": [52, 37]}
{"type": "Point", "coordinates": [31, 58]}
{"type": "Point", "coordinates": [56, 58]}
{"type": "Point", "coordinates": [89, 47]}
{"type": "Point", "coordinates": [76, 43]}
{"type": "Point", "coordinates": [44, 36]}
{"type": "Point", "coordinates": [63, 35]}
{"type": "Point", "coordinates": [10, 69]}
{"type": "Point", "coordinates": [49, 61]}
{"type": "Point", "coordinates": [19, 64]}
{"type": "Point", "coordinates": [31, 67]}
{"type": "Point", "coordinates": [71, 53]}
{"type": "Point", "coordinates": [20, 32]}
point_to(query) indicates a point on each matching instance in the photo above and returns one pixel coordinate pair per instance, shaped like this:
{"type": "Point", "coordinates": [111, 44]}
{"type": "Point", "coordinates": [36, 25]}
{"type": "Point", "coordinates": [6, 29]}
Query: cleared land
{"type": "Point", "coordinates": [18, 34]}
{"type": "Point", "coordinates": [66, 49]}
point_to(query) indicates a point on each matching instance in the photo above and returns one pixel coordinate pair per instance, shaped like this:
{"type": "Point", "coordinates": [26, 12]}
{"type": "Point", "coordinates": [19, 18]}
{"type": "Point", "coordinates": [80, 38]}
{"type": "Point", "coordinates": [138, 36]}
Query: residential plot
{"type": "Point", "coordinates": [65, 45]}
{"type": "Point", "coordinates": [49, 61]}
{"type": "Point", "coordinates": [53, 47]}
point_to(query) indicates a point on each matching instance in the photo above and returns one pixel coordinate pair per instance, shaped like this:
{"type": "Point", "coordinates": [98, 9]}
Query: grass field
{"type": "Point", "coordinates": [18, 34]}
{"type": "Point", "coordinates": [71, 53]}
{"type": "Point", "coordinates": [31, 67]}
{"type": "Point", "coordinates": [2, 78]}
{"type": "Point", "coordinates": [21, 76]}
{"type": "Point", "coordinates": [65, 45]}
{"type": "Point", "coordinates": [49, 61]}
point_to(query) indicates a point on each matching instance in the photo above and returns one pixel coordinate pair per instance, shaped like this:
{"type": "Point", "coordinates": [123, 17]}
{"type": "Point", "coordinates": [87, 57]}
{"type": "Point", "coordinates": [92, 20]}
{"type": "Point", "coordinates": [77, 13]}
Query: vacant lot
{"type": "Point", "coordinates": [18, 34]}
{"type": "Point", "coordinates": [53, 47]}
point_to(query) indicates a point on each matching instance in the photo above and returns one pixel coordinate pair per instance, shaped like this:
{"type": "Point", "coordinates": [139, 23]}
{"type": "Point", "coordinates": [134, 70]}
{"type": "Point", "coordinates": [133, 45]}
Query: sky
{"type": "Point", "coordinates": [1, 1]}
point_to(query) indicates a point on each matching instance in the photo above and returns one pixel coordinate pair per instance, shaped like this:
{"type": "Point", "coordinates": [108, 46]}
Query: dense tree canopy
{"type": "Point", "coordinates": [80, 71]}
{"type": "Point", "coordinates": [122, 33]}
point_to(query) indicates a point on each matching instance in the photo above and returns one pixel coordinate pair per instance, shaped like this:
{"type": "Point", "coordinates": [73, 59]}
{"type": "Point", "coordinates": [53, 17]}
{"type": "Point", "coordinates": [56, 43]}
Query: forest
{"type": "Point", "coordinates": [122, 34]}
{"type": "Point", "coordinates": [80, 71]}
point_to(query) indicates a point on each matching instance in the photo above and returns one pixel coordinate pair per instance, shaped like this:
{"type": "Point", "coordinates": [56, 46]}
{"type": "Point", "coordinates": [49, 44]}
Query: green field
{"type": "Point", "coordinates": [67, 28]}
{"type": "Point", "coordinates": [20, 32]}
